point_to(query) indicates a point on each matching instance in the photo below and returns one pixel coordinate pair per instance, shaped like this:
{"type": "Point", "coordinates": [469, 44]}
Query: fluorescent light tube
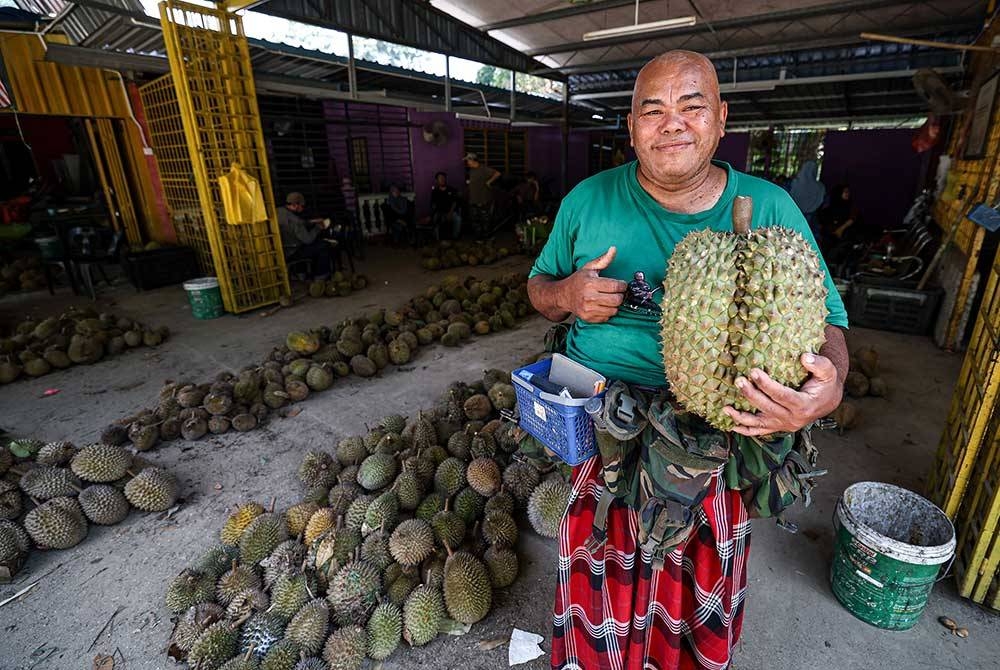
{"type": "Point", "coordinates": [640, 28]}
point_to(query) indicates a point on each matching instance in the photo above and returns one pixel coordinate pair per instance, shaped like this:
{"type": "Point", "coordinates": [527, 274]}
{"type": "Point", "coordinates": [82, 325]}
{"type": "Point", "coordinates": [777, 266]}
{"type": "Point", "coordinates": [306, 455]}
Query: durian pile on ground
{"type": "Point", "coordinates": [310, 361]}
{"type": "Point", "coordinates": [338, 285]}
{"type": "Point", "coordinates": [447, 254]}
{"type": "Point", "coordinates": [400, 533]}
{"type": "Point", "coordinates": [864, 379]}
{"type": "Point", "coordinates": [77, 337]}
{"type": "Point", "coordinates": [50, 492]}
{"type": "Point", "coordinates": [23, 273]}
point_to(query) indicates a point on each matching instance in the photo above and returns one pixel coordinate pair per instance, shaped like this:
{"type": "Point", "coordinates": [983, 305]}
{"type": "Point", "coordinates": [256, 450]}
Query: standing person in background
{"type": "Point", "coordinates": [808, 193]}
{"type": "Point", "coordinates": [528, 194]}
{"type": "Point", "coordinates": [481, 179]}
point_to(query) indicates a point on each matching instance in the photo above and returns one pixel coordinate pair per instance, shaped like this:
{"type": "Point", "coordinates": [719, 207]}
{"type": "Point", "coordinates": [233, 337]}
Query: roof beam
{"type": "Point", "coordinates": [236, 5]}
{"type": "Point", "coordinates": [757, 86]}
{"type": "Point", "coordinates": [99, 58]}
{"type": "Point", "coordinates": [839, 40]}
{"type": "Point", "coordinates": [556, 14]}
{"type": "Point", "coordinates": [799, 14]}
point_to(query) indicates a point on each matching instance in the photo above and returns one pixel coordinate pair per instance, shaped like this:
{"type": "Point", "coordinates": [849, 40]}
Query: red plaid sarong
{"type": "Point", "coordinates": [614, 612]}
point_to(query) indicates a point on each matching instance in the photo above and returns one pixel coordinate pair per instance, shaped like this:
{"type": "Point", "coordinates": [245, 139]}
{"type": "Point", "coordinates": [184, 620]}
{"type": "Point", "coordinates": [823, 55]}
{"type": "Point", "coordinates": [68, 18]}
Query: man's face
{"type": "Point", "coordinates": [677, 119]}
{"type": "Point", "coordinates": [296, 207]}
{"type": "Point", "coordinates": [640, 276]}
{"type": "Point", "coordinates": [442, 181]}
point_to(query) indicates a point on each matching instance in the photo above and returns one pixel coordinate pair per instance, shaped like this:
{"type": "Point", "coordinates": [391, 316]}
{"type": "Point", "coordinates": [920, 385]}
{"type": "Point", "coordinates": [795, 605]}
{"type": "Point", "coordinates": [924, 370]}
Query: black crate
{"type": "Point", "coordinates": [160, 267]}
{"type": "Point", "coordinates": [892, 305]}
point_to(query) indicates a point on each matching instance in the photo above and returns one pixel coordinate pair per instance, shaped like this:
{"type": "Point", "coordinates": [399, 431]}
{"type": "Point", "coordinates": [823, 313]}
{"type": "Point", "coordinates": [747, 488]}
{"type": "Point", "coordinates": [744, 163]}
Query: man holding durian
{"type": "Point", "coordinates": [743, 353]}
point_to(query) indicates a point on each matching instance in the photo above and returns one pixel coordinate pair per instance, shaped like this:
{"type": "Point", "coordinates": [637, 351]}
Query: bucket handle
{"type": "Point", "coordinates": [947, 570]}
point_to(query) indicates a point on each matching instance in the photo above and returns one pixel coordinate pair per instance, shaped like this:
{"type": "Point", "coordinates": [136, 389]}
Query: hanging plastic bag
{"type": "Point", "coordinates": [242, 199]}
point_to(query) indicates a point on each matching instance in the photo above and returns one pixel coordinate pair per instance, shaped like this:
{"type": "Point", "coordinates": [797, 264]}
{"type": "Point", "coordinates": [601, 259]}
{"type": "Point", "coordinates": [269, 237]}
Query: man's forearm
{"type": "Point", "coordinates": [835, 348]}
{"type": "Point", "coordinates": [545, 293]}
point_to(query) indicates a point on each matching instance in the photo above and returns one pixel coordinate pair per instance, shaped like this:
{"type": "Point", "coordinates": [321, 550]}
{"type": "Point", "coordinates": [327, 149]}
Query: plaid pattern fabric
{"type": "Point", "coordinates": [614, 612]}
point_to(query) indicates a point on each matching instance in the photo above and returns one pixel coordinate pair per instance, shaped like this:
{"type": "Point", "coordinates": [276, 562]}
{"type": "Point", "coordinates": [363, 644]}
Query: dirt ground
{"type": "Point", "coordinates": [793, 620]}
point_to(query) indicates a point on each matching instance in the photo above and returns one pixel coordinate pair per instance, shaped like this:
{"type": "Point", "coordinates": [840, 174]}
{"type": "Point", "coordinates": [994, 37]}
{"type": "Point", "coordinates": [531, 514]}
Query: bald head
{"type": "Point", "coordinates": [679, 64]}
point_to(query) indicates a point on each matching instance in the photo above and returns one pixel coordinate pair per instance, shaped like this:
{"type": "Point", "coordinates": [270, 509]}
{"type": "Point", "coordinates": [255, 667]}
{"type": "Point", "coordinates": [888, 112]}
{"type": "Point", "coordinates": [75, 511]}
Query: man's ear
{"type": "Point", "coordinates": [628, 120]}
{"type": "Point", "coordinates": [723, 115]}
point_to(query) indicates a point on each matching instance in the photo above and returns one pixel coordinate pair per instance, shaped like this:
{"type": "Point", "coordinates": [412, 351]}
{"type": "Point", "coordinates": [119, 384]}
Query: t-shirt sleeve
{"type": "Point", "coordinates": [790, 216]}
{"type": "Point", "coordinates": [556, 257]}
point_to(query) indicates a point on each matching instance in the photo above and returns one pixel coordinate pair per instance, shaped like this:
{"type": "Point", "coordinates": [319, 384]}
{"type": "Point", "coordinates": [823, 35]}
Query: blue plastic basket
{"type": "Point", "coordinates": [561, 424]}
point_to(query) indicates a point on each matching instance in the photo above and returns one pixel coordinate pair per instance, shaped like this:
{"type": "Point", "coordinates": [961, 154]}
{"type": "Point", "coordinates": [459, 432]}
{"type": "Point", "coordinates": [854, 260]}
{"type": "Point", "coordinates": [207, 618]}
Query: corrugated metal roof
{"type": "Point", "coordinates": [83, 20]}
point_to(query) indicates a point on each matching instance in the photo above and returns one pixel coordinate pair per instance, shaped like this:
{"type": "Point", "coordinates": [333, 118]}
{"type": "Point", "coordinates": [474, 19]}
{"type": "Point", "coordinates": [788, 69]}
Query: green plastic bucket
{"type": "Point", "coordinates": [891, 544]}
{"type": "Point", "coordinates": [205, 297]}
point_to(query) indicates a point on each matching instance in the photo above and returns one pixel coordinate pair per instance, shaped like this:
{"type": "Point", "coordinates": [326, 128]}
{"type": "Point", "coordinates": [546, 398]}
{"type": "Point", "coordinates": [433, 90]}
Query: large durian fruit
{"type": "Point", "coordinates": [737, 301]}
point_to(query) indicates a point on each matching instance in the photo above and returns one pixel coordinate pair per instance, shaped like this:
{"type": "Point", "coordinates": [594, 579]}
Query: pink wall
{"type": "Point", "coordinates": [881, 168]}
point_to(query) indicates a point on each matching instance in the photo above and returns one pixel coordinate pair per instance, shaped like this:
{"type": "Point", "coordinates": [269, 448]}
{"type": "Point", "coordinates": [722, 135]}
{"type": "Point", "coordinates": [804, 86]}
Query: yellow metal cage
{"type": "Point", "coordinates": [965, 480]}
{"type": "Point", "coordinates": [216, 103]}
{"type": "Point", "coordinates": [166, 130]}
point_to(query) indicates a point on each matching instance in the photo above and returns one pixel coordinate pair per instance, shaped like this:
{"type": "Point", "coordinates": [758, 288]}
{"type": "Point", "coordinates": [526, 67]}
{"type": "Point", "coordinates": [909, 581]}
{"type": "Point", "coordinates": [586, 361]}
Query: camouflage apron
{"type": "Point", "coordinates": [659, 459]}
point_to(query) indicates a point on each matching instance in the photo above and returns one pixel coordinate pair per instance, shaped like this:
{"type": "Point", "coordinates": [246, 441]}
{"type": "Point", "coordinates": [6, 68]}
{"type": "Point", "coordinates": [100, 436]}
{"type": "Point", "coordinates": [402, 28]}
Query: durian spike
{"type": "Point", "coordinates": [742, 214]}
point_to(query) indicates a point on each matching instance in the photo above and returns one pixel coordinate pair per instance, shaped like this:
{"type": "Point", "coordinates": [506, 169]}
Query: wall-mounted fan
{"type": "Point", "coordinates": [436, 133]}
{"type": "Point", "coordinates": [933, 88]}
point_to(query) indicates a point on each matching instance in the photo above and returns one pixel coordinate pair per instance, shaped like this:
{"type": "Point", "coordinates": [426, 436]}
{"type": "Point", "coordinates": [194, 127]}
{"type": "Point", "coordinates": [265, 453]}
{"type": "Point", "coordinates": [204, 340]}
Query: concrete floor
{"type": "Point", "coordinates": [793, 620]}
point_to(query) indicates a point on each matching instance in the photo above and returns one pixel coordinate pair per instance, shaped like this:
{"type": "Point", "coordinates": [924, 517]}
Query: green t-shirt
{"type": "Point", "coordinates": [612, 209]}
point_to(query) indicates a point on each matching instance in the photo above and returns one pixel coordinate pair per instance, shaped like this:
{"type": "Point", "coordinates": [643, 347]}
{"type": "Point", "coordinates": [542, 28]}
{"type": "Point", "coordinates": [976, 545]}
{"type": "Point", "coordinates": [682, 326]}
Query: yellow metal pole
{"type": "Point", "coordinates": [109, 197]}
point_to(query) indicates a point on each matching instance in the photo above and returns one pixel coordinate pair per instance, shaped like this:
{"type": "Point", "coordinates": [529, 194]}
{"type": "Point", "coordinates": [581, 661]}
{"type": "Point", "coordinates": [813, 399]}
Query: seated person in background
{"type": "Point", "coordinates": [302, 238]}
{"type": "Point", "coordinates": [527, 194]}
{"type": "Point", "coordinates": [444, 206]}
{"type": "Point", "coordinates": [839, 216]}
{"type": "Point", "coordinates": [398, 216]}
{"type": "Point", "coordinates": [839, 225]}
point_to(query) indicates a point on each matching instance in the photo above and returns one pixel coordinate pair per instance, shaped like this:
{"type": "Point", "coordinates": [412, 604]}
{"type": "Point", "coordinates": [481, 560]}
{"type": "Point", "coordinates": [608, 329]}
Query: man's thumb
{"type": "Point", "coordinates": [602, 261]}
{"type": "Point", "coordinates": [820, 367]}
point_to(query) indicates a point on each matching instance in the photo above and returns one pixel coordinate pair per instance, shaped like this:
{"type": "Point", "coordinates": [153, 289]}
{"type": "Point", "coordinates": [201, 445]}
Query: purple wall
{"type": "Point", "coordinates": [733, 148]}
{"type": "Point", "coordinates": [429, 159]}
{"type": "Point", "coordinates": [545, 155]}
{"type": "Point", "coordinates": [881, 168]}
{"type": "Point", "coordinates": [387, 134]}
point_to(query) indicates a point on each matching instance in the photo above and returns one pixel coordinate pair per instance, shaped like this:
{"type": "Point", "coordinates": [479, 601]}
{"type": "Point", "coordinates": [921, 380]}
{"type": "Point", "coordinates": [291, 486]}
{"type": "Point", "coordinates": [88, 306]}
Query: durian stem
{"type": "Point", "coordinates": [742, 214]}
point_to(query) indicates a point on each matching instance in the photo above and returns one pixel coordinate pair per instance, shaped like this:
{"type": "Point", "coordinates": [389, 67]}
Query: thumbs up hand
{"type": "Point", "coordinates": [591, 297]}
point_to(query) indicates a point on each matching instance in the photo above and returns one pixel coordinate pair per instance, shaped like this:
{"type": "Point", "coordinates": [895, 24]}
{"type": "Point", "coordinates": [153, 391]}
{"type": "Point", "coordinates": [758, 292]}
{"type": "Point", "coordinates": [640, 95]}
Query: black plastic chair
{"type": "Point", "coordinates": [90, 248]}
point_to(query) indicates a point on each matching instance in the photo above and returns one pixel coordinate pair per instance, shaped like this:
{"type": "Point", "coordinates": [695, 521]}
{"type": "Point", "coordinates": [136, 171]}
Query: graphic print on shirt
{"type": "Point", "coordinates": [639, 296]}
